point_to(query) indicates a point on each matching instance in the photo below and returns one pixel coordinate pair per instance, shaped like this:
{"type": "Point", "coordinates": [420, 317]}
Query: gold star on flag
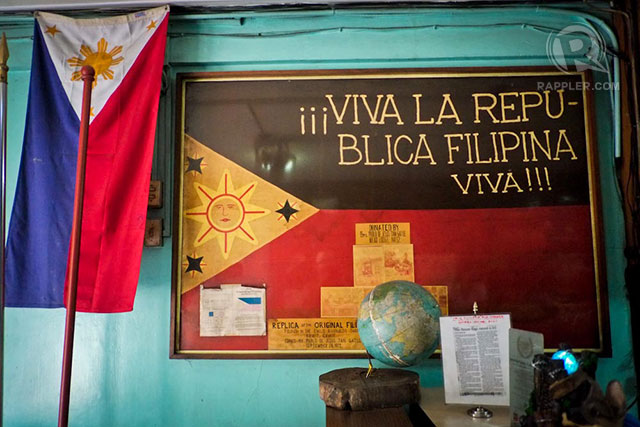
{"type": "Point", "coordinates": [151, 26]}
{"type": "Point", "coordinates": [52, 31]}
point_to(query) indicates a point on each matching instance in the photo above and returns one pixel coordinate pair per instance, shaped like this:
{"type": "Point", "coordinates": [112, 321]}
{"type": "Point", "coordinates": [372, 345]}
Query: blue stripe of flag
{"type": "Point", "coordinates": [40, 227]}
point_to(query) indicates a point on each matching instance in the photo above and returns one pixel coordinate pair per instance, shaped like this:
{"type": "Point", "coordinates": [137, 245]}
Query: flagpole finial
{"type": "Point", "coordinates": [87, 72]}
{"type": "Point", "coordinates": [4, 56]}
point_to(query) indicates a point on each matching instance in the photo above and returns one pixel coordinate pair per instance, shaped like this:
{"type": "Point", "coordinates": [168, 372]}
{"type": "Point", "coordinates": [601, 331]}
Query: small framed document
{"type": "Point", "coordinates": [475, 358]}
{"type": "Point", "coordinates": [232, 310]}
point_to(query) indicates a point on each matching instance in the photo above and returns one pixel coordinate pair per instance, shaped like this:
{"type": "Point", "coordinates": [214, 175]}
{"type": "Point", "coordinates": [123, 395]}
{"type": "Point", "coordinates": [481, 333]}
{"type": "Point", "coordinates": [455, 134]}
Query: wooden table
{"type": "Point", "coordinates": [432, 403]}
{"type": "Point", "coordinates": [388, 417]}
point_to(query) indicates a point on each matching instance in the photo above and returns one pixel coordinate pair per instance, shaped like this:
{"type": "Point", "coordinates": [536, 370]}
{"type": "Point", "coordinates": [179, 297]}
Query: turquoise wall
{"type": "Point", "coordinates": [122, 374]}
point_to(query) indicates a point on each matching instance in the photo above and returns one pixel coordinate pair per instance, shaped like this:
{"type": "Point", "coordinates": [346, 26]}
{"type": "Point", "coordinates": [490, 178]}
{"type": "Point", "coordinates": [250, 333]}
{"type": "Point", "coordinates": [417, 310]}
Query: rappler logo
{"type": "Point", "coordinates": [577, 47]}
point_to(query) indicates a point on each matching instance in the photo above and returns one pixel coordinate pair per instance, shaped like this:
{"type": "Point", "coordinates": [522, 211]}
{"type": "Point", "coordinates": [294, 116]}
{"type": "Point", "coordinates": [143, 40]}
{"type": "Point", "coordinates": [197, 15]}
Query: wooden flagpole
{"type": "Point", "coordinates": [4, 56]}
{"type": "Point", "coordinates": [88, 74]}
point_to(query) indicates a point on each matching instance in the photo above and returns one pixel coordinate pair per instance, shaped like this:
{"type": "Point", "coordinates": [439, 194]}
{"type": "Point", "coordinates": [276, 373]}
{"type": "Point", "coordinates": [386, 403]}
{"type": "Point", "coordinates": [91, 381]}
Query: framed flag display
{"type": "Point", "coordinates": [296, 192]}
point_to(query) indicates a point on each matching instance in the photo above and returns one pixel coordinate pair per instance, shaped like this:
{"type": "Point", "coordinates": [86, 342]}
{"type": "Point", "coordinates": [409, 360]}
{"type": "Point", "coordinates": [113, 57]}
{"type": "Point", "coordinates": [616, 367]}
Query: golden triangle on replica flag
{"type": "Point", "coordinates": [228, 213]}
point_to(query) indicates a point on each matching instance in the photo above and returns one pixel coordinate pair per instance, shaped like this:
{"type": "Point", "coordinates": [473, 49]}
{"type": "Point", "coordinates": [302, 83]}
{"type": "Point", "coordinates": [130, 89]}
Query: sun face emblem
{"type": "Point", "coordinates": [100, 60]}
{"type": "Point", "coordinates": [225, 214]}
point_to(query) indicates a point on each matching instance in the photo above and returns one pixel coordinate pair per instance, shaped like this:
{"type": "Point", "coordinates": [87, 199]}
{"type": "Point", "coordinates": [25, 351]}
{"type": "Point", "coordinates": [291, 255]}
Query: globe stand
{"type": "Point", "coordinates": [351, 389]}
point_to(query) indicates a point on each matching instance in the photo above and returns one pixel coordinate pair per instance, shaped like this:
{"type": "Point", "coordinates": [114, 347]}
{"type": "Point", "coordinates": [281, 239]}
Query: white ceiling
{"type": "Point", "coordinates": [32, 5]}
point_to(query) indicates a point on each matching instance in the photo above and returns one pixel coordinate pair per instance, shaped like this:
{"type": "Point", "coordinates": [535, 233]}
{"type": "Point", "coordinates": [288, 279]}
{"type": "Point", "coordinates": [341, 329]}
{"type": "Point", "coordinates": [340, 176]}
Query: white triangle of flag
{"type": "Point", "coordinates": [110, 45]}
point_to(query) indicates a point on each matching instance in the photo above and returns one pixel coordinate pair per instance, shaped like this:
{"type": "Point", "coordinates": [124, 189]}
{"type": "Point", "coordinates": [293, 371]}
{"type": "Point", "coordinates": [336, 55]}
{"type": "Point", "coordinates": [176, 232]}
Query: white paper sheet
{"type": "Point", "coordinates": [475, 358]}
{"type": "Point", "coordinates": [232, 310]}
{"type": "Point", "coordinates": [523, 345]}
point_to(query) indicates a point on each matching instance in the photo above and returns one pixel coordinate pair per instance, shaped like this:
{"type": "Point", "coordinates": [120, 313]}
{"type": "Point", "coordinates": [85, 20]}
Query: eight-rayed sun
{"type": "Point", "coordinates": [225, 214]}
{"type": "Point", "coordinates": [100, 60]}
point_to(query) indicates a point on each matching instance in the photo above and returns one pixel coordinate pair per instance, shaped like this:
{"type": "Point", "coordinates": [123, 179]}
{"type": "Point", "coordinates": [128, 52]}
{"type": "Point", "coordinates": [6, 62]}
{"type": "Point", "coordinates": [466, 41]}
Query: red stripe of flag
{"type": "Point", "coordinates": [120, 152]}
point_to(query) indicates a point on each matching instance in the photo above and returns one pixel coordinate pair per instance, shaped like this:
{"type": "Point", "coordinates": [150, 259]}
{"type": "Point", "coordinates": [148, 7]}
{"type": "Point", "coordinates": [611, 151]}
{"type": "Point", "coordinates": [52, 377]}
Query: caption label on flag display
{"type": "Point", "coordinates": [314, 334]}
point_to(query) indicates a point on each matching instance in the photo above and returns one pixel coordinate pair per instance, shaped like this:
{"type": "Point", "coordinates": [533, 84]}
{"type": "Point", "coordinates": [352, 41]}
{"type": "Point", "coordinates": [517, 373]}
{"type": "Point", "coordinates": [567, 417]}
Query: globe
{"type": "Point", "coordinates": [398, 323]}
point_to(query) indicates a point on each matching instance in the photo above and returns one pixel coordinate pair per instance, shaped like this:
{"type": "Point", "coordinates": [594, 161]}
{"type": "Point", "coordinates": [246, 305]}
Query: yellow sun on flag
{"type": "Point", "coordinates": [100, 60]}
{"type": "Point", "coordinates": [225, 214]}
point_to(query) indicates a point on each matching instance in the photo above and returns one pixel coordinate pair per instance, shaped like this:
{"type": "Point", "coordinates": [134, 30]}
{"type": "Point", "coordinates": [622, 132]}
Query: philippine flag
{"type": "Point", "coordinates": [127, 53]}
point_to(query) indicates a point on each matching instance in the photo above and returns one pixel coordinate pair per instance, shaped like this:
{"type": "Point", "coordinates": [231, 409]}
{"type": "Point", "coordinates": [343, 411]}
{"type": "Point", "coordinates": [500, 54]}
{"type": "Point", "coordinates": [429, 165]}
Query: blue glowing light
{"type": "Point", "coordinates": [570, 361]}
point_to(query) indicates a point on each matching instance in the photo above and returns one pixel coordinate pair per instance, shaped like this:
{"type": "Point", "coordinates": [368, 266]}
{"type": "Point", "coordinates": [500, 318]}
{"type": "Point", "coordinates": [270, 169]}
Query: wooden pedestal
{"type": "Point", "coordinates": [389, 397]}
{"type": "Point", "coordinates": [385, 388]}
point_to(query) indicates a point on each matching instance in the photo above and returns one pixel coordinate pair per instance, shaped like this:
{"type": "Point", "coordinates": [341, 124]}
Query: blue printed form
{"type": "Point", "coordinates": [232, 310]}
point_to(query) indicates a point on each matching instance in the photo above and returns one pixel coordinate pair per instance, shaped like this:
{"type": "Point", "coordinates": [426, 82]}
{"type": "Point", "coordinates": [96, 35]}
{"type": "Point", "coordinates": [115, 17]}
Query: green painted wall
{"type": "Point", "coordinates": [122, 373]}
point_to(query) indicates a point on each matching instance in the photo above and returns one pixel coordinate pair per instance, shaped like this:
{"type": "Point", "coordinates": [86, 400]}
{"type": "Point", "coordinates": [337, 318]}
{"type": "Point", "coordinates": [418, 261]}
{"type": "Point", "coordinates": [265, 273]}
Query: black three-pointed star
{"type": "Point", "coordinates": [286, 211]}
{"type": "Point", "coordinates": [195, 164]}
{"type": "Point", "coordinates": [194, 264]}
